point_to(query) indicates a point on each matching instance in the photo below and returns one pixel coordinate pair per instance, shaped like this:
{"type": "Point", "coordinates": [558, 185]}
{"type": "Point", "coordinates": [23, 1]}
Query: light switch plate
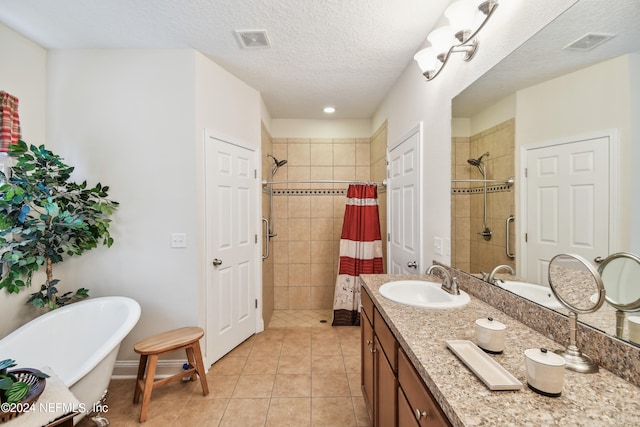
{"type": "Point", "coordinates": [178, 240]}
{"type": "Point", "coordinates": [437, 245]}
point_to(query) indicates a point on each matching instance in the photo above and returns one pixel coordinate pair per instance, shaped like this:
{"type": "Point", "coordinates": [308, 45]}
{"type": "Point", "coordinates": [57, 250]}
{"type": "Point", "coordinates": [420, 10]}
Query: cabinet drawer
{"type": "Point", "coordinates": [366, 303]}
{"type": "Point", "coordinates": [387, 340]}
{"type": "Point", "coordinates": [417, 395]}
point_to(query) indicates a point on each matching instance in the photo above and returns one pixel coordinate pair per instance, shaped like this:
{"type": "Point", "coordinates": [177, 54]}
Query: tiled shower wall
{"type": "Point", "coordinates": [267, 264]}
{"type": "Point", "coordinates": [308, 217]}
{"type": "Point", "coordinates": [469, 251]}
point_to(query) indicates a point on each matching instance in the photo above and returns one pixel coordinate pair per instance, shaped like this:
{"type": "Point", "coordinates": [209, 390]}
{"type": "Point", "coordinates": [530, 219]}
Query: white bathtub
{"type": "Point", "coordinates": [79, 342]}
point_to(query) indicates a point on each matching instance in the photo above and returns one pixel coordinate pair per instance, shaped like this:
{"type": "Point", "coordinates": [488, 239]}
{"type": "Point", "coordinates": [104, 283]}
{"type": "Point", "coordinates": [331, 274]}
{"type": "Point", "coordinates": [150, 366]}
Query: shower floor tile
{"type": "Point", "coordinates": [294, 318]}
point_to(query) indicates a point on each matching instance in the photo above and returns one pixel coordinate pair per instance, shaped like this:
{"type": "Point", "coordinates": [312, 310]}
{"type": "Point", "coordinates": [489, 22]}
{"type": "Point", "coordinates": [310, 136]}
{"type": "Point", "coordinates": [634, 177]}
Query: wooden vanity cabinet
{"type": "Point", "coordinates": [416, 405]}
{"type": "Point", "coordinates": [392, 388]}
{"type": "Point", "coordinates": [385, 373]}
{"type": "Point", "coordinates": [367, 356]}
{"type": "Point", "coordinates": [379, 366]}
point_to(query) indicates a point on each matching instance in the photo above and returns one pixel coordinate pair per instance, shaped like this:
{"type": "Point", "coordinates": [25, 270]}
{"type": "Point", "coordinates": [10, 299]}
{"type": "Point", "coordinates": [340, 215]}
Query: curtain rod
{"type": "Point", "coordinates": [324, 181]}
{"type": "Point", "coordinates": [509, 181]}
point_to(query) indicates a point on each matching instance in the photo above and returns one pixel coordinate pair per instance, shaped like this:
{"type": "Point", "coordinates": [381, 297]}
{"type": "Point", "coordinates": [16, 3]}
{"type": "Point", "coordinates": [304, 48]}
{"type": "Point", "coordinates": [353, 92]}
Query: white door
{"type": "Point", "coordinates": [231, 245]}
{"type": "Point", "coordinates": [568, 202]}
{"type": "Point", "coordinates": [403, 202]}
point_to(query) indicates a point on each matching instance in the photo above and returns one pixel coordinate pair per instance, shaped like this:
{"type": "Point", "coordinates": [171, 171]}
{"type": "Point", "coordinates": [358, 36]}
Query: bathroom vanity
{"type": "Point", "coordinates": [411, 378]}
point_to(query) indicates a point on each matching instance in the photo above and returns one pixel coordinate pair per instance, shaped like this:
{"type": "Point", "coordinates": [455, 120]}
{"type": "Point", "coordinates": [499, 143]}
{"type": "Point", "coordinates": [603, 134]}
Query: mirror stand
{"type": "Point", "coordinates": [573, 357]}
{"type": "Point", "coordinates": [573, 281]}
{"type": "Point", "coordinates": [620, 316]}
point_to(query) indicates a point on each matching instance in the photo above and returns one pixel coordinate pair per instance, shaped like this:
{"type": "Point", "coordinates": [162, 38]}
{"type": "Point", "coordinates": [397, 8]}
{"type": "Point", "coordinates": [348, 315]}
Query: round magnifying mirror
{"type": "Point", "coordinates": [574, 282]}
{"type": "Point", "coordinates": [620, 274]}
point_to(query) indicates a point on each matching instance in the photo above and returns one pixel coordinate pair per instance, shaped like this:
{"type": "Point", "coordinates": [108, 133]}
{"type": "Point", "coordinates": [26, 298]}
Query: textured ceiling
{"type": "Point", "coordinates": [543, 57]}
{"type": "Point", "coordinates": [345, 53]}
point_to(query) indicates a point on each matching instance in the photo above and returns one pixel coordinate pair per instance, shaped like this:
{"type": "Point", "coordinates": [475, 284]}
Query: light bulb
{"type": "Point", "coordinates": [441, 39]}
{"type": "Point", "coordinates": [427, 59]}
{"type": "Point", "coordinates": [462, 15]}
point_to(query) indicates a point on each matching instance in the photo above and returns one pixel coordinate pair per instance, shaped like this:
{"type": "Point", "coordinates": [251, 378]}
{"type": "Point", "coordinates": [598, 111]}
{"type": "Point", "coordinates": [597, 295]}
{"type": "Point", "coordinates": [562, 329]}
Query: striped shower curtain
{"type": "Point", "coordinates": [360, 252]}
{"type": "Point", "coordinates": [9, 121]}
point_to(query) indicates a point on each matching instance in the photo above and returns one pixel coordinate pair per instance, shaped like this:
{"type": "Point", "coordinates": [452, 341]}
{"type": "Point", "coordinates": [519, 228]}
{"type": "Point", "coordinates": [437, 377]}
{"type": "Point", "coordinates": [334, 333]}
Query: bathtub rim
{"type": "Point", "coordinates": [126, 324]}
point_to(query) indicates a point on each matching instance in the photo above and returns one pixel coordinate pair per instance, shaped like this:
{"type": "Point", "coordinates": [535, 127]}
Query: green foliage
{"type": "Point", "coordinates": [44, 218]}
{"type": "Point", "coordinates": [12, 390]}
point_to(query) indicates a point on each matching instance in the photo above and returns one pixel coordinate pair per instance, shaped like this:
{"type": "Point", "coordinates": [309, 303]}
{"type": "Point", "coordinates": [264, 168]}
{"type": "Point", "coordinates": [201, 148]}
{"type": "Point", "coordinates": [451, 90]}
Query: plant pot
{"type": "Point", "coordinates": [36, 387]}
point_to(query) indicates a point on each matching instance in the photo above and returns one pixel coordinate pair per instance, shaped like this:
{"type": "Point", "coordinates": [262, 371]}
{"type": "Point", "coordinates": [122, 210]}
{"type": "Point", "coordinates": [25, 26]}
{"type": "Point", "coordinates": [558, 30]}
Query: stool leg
{"type": "Point", "coordinates": [141, 369]}
{"type": "Point", "coordinates": [200, 368]}
{"type": "Point", "coordinates": [148, 386]}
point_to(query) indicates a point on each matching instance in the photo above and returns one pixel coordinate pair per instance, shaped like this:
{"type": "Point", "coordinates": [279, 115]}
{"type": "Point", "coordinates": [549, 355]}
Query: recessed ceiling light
{"type": "Point", "coordinates": [329, 110]}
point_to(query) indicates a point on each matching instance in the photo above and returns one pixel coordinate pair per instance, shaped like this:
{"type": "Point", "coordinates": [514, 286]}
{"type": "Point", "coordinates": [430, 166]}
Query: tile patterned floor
{"type": "Point", "coordinates": [288, 375]}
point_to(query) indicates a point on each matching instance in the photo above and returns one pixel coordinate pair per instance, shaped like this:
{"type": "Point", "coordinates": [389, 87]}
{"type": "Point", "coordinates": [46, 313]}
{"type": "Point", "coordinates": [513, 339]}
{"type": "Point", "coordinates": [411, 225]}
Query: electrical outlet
{"type": "Point", "coordinates": [178, 240]}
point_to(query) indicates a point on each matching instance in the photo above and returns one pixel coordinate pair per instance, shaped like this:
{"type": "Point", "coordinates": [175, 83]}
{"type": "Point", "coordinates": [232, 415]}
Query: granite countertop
{"type": "Point", "coordinates": [598, 399]}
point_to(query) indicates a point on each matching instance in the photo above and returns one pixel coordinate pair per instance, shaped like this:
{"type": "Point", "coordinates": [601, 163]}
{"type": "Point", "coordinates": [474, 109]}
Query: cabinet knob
{"type": "Point", "coordinates": [373, 350]}
{"type": "Point", "coordinates": [420, 414]}
{"type": "Point", "coordinates": [369, 342]}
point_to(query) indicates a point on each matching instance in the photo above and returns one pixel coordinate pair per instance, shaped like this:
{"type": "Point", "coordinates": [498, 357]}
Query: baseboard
{"type": "Point", "coordinates": [125, 369]}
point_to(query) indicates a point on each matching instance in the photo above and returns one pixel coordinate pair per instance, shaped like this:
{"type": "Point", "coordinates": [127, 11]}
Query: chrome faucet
{"type": "Point", "coordinates": [449, 283]}
{"type": "Point", "coordinates": [491, 278]}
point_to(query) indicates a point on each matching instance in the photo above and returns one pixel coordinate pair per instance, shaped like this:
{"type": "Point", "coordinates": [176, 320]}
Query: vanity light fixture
{"type": "Point", "coordinates": [457, 37]}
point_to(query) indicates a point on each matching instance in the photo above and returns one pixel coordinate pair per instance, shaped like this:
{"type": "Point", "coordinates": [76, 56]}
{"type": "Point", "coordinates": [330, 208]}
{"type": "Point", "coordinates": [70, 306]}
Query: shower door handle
{"type": "Point", "coordinates": [267, 233]}
{"type": "Point", "coordinates": [508, 237]}
{"type": "Point", "coordinates": [412, 264]}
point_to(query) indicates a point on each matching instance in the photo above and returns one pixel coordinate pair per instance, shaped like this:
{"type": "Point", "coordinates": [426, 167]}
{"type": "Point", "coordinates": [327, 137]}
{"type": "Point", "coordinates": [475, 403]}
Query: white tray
{"type": "Point", "coordinates": [492, 374]}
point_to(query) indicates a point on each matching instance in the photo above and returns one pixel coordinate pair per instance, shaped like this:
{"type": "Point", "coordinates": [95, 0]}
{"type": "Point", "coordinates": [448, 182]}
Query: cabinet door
{"type": "Point", "coordinates": [406, 417]}
{"type": "Point", "coordinates": [423, 406]}
{"type": "Point", "coordinates": [385, 390]}
{"type": "Point", "coordinates": [367, 358]}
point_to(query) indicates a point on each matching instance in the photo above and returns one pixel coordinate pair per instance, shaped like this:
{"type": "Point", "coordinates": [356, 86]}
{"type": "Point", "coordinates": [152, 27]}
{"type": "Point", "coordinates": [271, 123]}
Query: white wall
{"type": "Point", "coordinates": [22, 74]}
{"type": "Point", "coordinates": [125, 118]}
{"type": "Point", "coordinates": [233, 110]}
{"type": "Point", "coordinates": [580, 103]}
{"type": "Point", "coordinates": [135, 120]}
{"type": "Point", "coordinates": [330, 128]}
{"type": "Point", "coordinates": [634, 93]}
{"type": "Point", "coordinates": [414, 100]}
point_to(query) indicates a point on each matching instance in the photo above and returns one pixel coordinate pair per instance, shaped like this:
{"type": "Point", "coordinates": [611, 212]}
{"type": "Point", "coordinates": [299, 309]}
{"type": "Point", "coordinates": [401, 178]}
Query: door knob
{"type": "Point", "coordinates": [412, 264]}
{"type": "Point", "coordinates": [216, 262]}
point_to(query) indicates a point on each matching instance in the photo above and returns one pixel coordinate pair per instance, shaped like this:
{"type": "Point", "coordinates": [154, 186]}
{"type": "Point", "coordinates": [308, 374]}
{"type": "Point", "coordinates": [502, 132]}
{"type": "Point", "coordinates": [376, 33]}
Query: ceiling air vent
{"type": "Point", "coordinates": [252, 39]}
{"type": "Point", "coordinates": [589, 41]}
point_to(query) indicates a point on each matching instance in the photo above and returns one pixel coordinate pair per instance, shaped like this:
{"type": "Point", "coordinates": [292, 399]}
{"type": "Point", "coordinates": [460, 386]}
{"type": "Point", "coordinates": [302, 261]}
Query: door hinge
{"type": "Point", "coordinates": [255, 173]}
{"type": "Point", "coordinates": [526, 172]}
{"type": "Point", "coordinates": [388, 237]}
{"type": "Point", "coordinates": [256, 303]}
{"type": "Point", "coordinates": [255, 238]}
{"type": "Point", "coordinates": [526, 237]}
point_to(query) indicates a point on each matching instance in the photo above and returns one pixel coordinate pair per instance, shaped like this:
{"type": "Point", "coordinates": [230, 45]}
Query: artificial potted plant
{"type": "Point", "coordinates": [46, 217]}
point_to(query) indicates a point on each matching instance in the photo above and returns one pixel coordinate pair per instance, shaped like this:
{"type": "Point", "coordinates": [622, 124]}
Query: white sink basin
{"type": "Point", "coordinates": [536, 293]}
{"type": "Point", "coordinates": [421, 293]}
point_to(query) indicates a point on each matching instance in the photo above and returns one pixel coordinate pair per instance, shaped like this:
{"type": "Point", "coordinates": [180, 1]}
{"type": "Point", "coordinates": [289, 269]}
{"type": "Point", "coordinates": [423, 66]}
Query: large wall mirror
{"type": "Point", "coordinates": [561, 116]}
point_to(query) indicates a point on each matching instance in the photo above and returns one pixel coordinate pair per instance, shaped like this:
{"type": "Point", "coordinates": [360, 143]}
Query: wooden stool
{"type": "Point", "coordinates": [153, 347]}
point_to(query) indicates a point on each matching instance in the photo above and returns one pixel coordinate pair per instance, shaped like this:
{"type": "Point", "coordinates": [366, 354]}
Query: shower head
{"type": "Point", "coordinates": [276, 164]}
{"type": "Point", "coordinates": [477, 162]}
